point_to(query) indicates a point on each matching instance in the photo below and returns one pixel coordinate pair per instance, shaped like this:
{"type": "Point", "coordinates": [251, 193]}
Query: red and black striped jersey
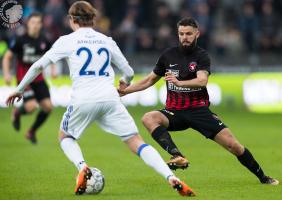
{"type": "Point", "coordinates": [28, 50]}
{"type": "Point", "coordinates": [184, 65]}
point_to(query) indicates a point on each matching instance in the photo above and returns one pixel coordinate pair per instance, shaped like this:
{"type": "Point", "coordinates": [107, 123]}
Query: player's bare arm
{"type": "Point", "coordinates": [54, 73]}
{"type": "Point", "coordinates": [143, 84]}
{"type": "Point", "coordinates": [31, 74]}
{"type": "Point", "coordinates": [6, 66]}
{"type": "Point", "coordinates": [200, 81]}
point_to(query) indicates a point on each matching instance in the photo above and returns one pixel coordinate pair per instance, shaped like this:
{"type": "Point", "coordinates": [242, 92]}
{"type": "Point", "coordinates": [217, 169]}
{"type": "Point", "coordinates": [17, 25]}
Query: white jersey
{"type": "Point", "coordinates": [89, 55]}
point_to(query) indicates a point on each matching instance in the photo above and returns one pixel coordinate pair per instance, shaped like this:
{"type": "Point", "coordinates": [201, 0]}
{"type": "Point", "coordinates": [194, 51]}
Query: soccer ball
{"type": "Point", "coordinates": [96, 182]}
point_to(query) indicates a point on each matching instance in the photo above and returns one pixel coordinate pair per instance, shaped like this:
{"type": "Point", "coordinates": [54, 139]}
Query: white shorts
{"type": "Point", "coordinates": [112, 116]}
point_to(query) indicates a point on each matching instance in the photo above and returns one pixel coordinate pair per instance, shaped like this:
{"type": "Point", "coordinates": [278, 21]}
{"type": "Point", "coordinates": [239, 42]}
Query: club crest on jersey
{"type": "Point", "coordinates": [192, 66]}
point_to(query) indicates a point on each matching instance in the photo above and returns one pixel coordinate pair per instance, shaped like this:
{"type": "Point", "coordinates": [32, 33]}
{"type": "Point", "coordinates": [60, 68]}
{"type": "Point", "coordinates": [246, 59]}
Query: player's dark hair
{"type": "Point", "coordinates": [35, 14]}
{"type": "Point", "coordinates": [83, 13]}
{"type": "Point", "coordinates": [188, 21]}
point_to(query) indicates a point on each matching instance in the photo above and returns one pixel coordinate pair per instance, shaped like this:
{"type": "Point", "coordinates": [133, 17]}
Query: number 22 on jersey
{"type": "Point", "coordinates": [83, 71]}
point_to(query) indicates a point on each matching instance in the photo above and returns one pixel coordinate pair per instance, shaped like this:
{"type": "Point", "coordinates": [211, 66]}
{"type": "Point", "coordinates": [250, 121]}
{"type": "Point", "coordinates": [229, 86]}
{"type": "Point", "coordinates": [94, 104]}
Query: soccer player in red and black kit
{"type": "Point", "coordinates": [186, 69]}
{"type": "Point", "coordinates": [28, 49]}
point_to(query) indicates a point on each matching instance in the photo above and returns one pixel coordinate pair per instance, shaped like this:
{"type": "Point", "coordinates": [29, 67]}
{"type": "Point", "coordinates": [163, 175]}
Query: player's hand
{"type": "Point", "coordinates": [171, 78]}
{"type": "Point", "coordinates": [121, 88]}
{"type": "Point", "coordinates": [8, 79]}
{"type": "Point", "coordinates": [11, 99]}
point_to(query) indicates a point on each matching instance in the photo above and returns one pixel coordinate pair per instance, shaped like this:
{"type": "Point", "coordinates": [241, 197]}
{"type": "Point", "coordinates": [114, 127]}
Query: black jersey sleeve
{"type": "Point", "coordinates": [160, 66]}
{"type": "Point", "coordinates": [15, 45]}
{"type": "Point", "coordinates": [204, 62]}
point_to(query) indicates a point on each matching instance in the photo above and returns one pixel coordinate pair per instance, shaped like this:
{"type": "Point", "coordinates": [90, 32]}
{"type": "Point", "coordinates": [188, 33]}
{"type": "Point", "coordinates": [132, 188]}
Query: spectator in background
{"type": "Point", "coordinates": [126, 32]}
{"type": "Point", "coordinates": [29, 7]}
{"type": "Point", "coordinates": [149, 25]}
{"type": "Point", "coordinates": [269, 28]}
{"type": "Point", "coordinates": [203, 18]}
{"type": "Point", "coordinates": [249, 27]}
{"type": "Point", "coordinates": [145, 40]}
{"type": "Point", "coordinates": [57, 9]}
{"type": "Point", "coordinates": [227, 41]}
{"type": "Point", "coordinates": [53, 21]}
{"type": "Point", "coordinates": [103, 23]}
{"type": "Point", "coordinates": [164, 24]}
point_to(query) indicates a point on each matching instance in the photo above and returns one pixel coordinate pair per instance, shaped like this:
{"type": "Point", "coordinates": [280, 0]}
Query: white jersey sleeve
{"type": "Point", "coordinates": [120, 61]}
{"type": "Point", "coordinates": [59, 50]}
{"type": "Point", "coordinates": [33, 72]}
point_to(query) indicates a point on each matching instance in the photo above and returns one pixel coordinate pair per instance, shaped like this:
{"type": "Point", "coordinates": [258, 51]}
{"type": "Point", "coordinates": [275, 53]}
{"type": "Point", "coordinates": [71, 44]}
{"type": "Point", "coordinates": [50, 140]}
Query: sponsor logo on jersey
{"type": "Point", "coordinates": [192, 66]}
{"type": "Point", "coordinates": [172, 87]}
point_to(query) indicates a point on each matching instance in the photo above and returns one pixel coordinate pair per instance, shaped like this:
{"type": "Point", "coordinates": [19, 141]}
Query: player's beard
{"type": "Point", "coordinates": [189, 48]}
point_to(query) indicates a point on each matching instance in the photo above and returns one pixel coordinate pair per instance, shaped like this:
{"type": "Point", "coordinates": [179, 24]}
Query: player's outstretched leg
{"type": "Point", "coordinates": [73, 152]}
{"type": "Point", "coordinates": [247, 159]}
{"type": "Point", "coordinates": [228, 141]}
{"type": "Point", "coordinates": [153, 159]}
{"type": "Point", "coordinates": [156, 123]}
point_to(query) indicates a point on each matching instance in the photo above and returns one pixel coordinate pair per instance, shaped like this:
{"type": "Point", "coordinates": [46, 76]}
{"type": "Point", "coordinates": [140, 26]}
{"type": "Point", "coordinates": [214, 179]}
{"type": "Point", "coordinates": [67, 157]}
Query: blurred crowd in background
{"type": "Point", "coordinates": [228, 27]}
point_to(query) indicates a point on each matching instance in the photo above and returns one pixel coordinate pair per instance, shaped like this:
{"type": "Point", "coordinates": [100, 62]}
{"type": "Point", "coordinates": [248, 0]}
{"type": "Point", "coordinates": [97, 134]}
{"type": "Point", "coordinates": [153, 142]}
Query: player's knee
{"type": "Point", "coordinates": [61, 135]}
{"type": "Point", "coordinates": [48, 107]}
{"type": "Point", "coordinates": [151, 118]}
{"type": "Point", "coordinates": [147, 119]}
{"type": "Point", "coordinates": [30, 108]}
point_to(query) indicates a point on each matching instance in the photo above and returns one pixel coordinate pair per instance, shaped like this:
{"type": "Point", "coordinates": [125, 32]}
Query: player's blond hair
{"type": "Point", "coordinates": [83, 13]}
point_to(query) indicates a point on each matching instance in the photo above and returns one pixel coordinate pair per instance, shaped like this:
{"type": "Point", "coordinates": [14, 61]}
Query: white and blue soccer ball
{"type": "Point", "coordinates": [96, 182]}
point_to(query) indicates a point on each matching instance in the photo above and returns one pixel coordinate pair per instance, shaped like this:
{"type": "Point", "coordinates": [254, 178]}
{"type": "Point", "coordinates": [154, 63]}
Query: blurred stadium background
{"type": "Point", "coordinates": [243, 37]}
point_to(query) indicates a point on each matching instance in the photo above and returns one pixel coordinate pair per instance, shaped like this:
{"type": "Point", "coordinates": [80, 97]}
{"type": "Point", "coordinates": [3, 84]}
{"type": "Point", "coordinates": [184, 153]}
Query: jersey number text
{"type": "Point", "coordinates": [84, 72]}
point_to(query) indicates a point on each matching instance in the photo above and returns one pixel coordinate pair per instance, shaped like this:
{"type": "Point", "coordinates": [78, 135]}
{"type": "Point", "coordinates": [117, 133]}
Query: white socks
{"type": "Point", "coordinates": [73, 152]}
{"type": "Point", "coordinates": [148, 154]}
{"type": "Point", "coordinates": [152, 158]}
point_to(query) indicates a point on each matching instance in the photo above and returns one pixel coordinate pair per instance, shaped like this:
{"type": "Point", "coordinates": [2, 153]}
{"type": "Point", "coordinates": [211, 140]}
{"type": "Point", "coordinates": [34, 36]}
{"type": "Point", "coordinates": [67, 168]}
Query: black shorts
{"type": "Point", "coordinates": [38, 90]}
{"type": "Point", "coordinates": [200, 119]}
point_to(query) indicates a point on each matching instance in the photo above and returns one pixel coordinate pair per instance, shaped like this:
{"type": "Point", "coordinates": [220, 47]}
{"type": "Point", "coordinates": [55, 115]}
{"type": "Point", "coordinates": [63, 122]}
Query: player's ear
{"type": "Point", "coordinates": [198, 33]}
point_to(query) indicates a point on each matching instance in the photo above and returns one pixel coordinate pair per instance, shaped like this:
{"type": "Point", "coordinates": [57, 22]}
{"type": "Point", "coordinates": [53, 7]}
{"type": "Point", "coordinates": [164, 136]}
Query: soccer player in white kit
{"type": "Point", "coordinates": [94, 98]}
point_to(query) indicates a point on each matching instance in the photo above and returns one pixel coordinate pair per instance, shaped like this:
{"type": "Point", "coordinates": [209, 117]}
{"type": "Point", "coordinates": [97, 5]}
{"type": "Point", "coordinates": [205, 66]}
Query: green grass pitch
{"type": "Point", "coordinates": [29, 172]}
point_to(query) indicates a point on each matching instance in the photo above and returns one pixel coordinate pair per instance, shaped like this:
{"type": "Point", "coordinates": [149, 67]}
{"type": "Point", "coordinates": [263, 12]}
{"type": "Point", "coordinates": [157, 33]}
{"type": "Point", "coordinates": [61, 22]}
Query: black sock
{"type": "Point", "coordinates": [248, 161]}
{"type": "Point", "coordinates": [161, 136]}
{"type": "Point", "coordinates": [40, 119]}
